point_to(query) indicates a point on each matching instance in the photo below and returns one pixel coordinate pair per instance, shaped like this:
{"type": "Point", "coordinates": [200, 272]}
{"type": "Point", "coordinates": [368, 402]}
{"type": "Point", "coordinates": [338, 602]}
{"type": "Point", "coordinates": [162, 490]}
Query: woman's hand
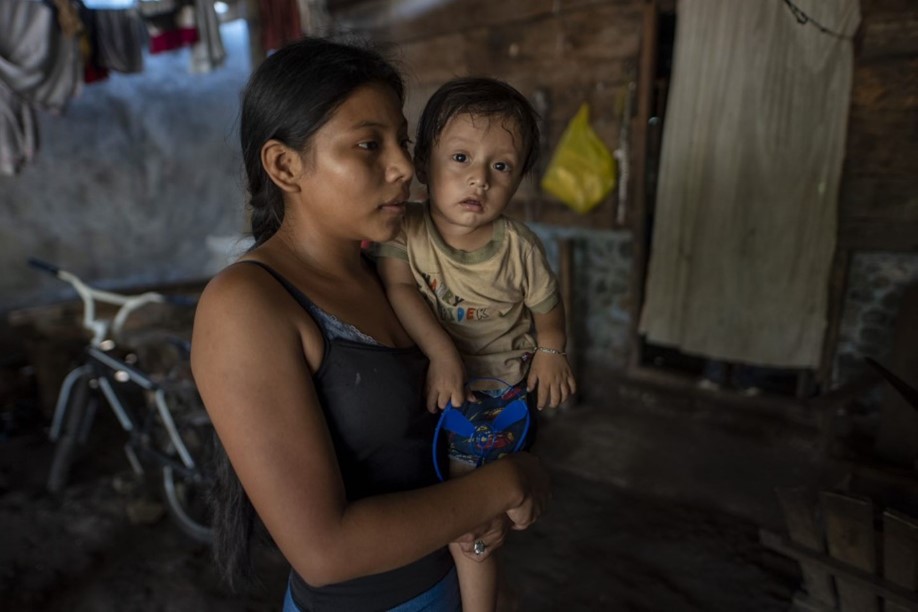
{"type": "Point", "coordinates": [536, 487]}
{"type": "Point", "coordinates": [491, 535]}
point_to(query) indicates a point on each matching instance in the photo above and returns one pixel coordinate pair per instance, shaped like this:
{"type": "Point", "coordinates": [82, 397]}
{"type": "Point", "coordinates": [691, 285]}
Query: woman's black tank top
{"type": "Point", "coordinates": [372, 398]}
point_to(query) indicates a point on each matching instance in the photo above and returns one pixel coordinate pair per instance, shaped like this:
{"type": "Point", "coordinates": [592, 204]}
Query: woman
{"type": "Point", "coordinates": [314, 388]}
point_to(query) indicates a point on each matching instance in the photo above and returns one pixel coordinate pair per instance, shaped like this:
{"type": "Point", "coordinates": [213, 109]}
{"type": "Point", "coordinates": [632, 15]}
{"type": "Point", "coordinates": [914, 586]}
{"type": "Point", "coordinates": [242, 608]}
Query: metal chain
{"type": "Point", "coordinates": [803, 19]}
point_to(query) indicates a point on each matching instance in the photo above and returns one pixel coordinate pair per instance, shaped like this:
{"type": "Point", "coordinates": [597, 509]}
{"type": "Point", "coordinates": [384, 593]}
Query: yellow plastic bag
{"type": "Point", "coordinates": [582, 170]}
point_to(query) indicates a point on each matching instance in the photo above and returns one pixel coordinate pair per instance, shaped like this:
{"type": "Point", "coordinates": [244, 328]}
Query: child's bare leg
{"type": "Point", "coordinates": [477, 579]}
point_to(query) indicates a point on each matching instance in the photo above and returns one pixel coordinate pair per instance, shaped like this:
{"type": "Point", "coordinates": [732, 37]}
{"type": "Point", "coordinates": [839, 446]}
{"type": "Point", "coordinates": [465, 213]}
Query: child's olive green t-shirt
{"type": "Point", "coordinates": [483, 298]}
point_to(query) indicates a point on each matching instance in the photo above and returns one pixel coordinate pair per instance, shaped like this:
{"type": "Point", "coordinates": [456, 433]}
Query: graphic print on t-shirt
{"type": "Point", "coordinates": [449, 305]}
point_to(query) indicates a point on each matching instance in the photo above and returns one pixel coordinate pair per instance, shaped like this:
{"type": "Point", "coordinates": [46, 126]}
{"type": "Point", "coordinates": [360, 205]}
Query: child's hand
{"type": "Point", "coordinates": [446, 383]}
{"type": "Point", "coordinates": [551, 374]}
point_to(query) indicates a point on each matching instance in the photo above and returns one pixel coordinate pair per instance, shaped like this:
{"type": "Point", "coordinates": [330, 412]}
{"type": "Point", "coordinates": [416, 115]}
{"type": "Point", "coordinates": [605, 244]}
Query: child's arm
{"type": "Point", "coordinates": [446, 375]}
{"type": "Point", "coordinates": [550, 371]}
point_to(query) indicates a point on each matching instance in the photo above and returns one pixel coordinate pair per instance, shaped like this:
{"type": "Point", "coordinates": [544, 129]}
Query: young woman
{"type": "Point", "coordinates": [314, 388]}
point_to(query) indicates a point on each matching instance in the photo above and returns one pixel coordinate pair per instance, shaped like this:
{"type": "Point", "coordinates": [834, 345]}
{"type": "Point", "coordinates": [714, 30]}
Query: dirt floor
{"type": "Point", "coordinates": [105, 545]}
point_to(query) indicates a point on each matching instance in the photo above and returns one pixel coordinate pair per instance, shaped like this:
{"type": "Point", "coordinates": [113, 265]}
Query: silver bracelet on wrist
{"type": "Point", "coordinates": [550, 351]}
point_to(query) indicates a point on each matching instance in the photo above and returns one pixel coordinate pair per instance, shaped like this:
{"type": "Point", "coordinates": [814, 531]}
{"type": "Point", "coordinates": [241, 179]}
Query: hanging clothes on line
{"type": "Point", "coordinates": [120, 39]}
{"type": "Point", "coordinates": [39, 67]}
{"type": "Point", "coordinates": [175, 24]}
{"type": "Point", "coordinates": [170, 24]}
{"type": "Point", "coordinates": [50, 48]}
{"type": "Point", "coordinates": [209, 52]}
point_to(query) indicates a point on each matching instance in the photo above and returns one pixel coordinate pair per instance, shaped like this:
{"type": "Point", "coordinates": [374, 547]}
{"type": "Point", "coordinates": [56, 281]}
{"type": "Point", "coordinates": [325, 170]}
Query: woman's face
{"type": "Point", "coordinates": [357, 169]}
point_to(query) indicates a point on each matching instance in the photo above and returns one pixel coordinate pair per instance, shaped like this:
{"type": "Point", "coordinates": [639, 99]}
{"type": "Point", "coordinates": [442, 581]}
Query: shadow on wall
{"type": "Point", "coordinates": [131, 179]}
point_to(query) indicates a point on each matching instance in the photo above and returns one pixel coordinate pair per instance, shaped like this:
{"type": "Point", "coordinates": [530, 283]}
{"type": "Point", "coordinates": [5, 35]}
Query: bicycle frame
{"type": "Point", "coordinates": [105, 369]}
{"type": "Point", "coordinates": [157, 423]}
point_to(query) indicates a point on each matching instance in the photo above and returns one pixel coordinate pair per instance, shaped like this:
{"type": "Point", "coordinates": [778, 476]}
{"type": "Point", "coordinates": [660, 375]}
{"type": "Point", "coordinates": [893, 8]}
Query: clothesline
{"type": "Point", "coordinates": [50, 49]}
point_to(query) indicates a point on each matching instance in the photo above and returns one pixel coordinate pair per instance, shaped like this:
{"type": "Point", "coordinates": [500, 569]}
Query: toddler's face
{"type": "Point", "coordinates": [474, 170]}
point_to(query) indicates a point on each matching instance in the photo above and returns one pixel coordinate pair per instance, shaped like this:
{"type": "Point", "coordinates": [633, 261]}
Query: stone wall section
{"type": "Point", "coordinates": [876, 282]}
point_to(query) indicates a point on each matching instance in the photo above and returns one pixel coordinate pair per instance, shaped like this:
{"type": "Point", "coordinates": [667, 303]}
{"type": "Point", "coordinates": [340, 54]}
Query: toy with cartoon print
{"type": "Point", "coordinates": [485, 430]}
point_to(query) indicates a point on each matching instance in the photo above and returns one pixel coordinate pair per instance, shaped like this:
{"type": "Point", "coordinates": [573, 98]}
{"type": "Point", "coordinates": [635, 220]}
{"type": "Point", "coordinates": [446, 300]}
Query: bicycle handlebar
{"type": "Point", "coordinates": [44, 266]}
{"type": "Point", "coordinates": [128, 303]}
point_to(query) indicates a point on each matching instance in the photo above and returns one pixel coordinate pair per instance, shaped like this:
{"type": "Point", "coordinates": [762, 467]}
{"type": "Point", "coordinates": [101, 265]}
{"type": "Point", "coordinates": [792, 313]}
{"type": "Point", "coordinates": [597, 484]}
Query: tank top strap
{"type": "Point", "coordinates": [332, 327]}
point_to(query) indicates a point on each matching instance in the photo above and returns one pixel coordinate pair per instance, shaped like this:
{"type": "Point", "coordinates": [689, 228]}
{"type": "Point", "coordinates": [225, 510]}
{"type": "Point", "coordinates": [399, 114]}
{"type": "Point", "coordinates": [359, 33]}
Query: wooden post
{"type": "Point", "coordinates": [566, 267]}
{"type": "Point", "coordinates": [638, 213]}
{"type": "Point", "coordinates": [838, 284]}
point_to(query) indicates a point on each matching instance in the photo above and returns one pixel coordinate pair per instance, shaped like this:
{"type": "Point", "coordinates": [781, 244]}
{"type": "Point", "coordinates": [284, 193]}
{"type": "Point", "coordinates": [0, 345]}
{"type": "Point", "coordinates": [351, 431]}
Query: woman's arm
{"type": "Point", "coordinates": [254, 351]}
{"type": "Point", "coordinates": [446, 376]}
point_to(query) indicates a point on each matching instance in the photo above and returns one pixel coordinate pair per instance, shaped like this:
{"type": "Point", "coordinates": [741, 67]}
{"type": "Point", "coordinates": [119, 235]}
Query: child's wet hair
{"type": "Point", "coordinates": [289, 97]}
{"type": "Point", "coordinates": [479, 96]}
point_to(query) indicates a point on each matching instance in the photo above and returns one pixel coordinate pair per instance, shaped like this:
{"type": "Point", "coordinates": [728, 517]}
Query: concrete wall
{"type": "Point", "coordinates": [131, 180]}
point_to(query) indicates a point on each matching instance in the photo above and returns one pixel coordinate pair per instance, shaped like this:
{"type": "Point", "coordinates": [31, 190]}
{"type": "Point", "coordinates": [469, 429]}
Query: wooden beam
{"type": "Point", "coordinates": [888, 33]}
{"type": "Point", "coordinates": [638, 212]}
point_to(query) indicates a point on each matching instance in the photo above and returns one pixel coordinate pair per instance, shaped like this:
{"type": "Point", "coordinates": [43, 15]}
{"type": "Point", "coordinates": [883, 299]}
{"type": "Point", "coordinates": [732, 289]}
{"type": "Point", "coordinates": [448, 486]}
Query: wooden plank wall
{"type": "Point", "coordinates": [878, 208]}
{"type": "Point", "coordinates": [558, 53]}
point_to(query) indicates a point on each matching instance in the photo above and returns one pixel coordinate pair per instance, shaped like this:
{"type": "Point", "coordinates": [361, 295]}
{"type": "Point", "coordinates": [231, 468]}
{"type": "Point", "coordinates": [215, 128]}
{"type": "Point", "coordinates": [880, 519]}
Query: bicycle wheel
{"type": "Point", "coordinates": [186, 491]}
{"type": "Point", "coordinates": [73, 434]}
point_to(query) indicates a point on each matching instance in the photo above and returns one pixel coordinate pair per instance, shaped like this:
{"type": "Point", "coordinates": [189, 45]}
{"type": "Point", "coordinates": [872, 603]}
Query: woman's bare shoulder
{"type": "Point", "coordinates": [244, 300]}
{"type": "Point", "coordinates": [242, 290]}
{"type": "Point", "coordinates": [236, 280]}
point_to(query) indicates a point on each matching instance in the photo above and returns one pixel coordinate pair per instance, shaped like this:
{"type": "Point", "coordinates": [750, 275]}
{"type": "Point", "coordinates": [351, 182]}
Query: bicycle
{"type": "Point", "coordinates": [162, 414]}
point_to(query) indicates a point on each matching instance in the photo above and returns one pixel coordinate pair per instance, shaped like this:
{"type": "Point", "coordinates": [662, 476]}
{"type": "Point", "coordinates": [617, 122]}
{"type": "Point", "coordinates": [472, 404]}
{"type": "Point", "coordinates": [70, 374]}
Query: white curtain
{"type": "Point", "coordinates": [753, 143]}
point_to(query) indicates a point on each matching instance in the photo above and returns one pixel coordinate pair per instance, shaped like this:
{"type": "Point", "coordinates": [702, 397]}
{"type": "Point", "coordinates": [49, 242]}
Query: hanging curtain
{"type": "Point", "coordinates": [753, 142]}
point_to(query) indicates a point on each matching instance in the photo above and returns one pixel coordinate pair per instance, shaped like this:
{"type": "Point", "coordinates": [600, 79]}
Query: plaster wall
{"type": "Point", "coordinates": [130, 181]}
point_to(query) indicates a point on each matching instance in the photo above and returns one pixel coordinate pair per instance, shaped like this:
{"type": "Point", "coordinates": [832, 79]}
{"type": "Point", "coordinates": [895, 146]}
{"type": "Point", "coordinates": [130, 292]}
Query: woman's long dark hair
{"type": "Point", "coordinates": [291, 95]}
